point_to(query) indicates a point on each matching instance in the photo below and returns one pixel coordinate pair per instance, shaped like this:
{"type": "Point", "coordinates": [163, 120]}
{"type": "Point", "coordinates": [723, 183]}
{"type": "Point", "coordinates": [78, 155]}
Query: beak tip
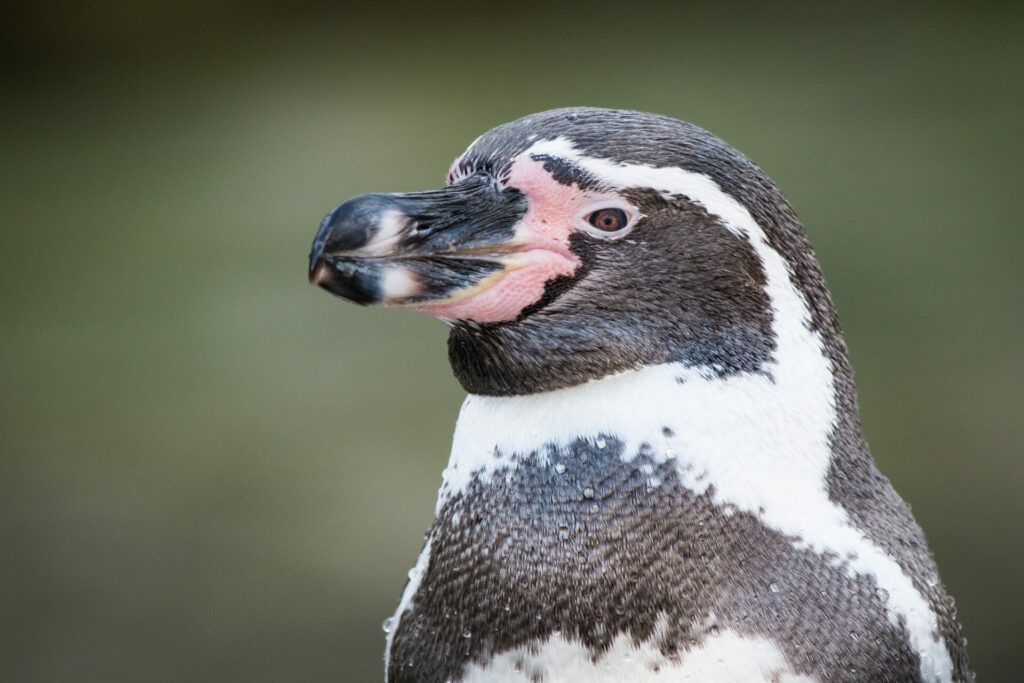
{"type": "Point", "coordinates": [318, 272]}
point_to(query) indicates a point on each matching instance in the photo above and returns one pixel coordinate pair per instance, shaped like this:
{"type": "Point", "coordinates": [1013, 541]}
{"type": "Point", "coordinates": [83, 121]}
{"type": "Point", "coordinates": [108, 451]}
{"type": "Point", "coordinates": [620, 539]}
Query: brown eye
{"type": "Point", "coordinates": [608, 220]}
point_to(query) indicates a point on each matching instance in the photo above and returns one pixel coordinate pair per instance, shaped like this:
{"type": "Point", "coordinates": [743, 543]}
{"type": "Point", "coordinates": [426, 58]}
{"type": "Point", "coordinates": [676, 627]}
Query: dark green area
{"type": "Point", "coordinates": [212, 471]}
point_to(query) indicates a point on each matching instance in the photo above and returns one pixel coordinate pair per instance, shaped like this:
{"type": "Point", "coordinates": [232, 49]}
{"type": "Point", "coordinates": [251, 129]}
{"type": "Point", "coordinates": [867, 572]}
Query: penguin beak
{"type": "Point", "coordinates": [419, 248]}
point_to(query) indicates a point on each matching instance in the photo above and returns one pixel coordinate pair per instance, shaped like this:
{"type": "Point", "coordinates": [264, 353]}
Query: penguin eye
{"type": "Point", "coordinates": [608, 220]}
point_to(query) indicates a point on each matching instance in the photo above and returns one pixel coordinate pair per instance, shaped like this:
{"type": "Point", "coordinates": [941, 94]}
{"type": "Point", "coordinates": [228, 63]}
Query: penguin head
{"type": "Point", "coordinates": [578, 243]}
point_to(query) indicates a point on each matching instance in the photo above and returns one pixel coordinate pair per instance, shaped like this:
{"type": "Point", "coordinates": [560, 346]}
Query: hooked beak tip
{"type": "Point", "coordinates": [319, 273]}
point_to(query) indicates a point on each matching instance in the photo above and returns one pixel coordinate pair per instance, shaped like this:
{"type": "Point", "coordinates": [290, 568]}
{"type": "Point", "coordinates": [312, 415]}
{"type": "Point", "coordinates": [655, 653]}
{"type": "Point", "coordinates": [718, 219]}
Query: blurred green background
{"type": "Point", "coordinates": [212, 471]}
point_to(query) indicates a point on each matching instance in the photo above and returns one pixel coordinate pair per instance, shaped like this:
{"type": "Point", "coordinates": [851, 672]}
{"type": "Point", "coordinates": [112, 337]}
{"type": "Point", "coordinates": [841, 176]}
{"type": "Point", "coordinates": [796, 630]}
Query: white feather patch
{"type": "Point", "coordinates": [398, 284]}
{"type": "Point", "coordinates": [725, 657]}
{"type": "Point", "coordinates": [389, 230]}
{"type": "Point", "coordinates": [762, 442]}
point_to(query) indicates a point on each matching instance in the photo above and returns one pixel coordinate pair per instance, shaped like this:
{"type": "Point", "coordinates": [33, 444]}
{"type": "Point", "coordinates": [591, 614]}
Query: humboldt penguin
{"type": "Point", "coordinates": [659, 472]}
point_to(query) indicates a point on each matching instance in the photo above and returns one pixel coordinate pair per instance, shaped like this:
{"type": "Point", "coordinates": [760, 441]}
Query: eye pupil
{"type": "Point", "coordinates": [608, 220]}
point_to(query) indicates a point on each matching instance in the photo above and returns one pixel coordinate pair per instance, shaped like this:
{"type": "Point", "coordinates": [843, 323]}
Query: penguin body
{"type": "Point", "coordinates": [658, 473]}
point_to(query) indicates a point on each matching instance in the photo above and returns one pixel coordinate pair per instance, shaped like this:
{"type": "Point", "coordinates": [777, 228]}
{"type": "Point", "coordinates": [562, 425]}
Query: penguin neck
{"type": "Point", "coordinates": [759, 438]}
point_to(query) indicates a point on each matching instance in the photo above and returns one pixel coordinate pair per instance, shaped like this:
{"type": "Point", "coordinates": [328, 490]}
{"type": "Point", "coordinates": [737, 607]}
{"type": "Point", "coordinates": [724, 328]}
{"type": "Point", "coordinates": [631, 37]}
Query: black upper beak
{"type": "Point", "coordinates": [420, 246]}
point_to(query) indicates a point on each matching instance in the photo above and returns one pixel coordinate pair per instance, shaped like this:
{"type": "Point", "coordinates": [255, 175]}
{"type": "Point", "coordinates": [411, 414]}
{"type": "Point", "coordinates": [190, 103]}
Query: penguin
{"type": "Point", "coordinates": [658, 473]}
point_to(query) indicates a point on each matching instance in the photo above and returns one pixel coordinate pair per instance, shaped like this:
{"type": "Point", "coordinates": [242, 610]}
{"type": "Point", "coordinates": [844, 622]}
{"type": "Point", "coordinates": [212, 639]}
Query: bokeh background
{"type": "Point", "coordinates": [212, 471]}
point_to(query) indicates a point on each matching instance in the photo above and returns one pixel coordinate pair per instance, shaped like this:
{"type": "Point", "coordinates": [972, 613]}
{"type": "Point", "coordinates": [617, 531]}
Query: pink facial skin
{"type": "Point", "coordinates": [542, 247]}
